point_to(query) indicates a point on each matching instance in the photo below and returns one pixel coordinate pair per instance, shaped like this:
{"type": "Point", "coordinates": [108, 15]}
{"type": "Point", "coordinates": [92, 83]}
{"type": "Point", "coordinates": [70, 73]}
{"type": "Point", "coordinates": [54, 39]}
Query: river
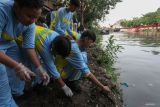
{"type": "Point", "coordinates": [139, 68]}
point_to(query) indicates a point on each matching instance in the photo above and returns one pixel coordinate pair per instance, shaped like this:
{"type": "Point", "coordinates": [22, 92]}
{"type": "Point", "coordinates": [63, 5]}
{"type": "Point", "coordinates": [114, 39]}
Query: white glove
{"type": "Point", "coordinates": [23, 72]}
{"type": "Point", "coordinates": [67, 91]}
{"type": "Point", "coordinates": [43, 74]}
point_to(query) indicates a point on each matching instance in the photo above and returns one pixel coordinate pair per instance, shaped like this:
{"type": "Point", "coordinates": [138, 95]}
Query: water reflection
{"type": "Point", "coordinates": [155, 52]}
{"type": "Point", "coordinates": [146, 41]}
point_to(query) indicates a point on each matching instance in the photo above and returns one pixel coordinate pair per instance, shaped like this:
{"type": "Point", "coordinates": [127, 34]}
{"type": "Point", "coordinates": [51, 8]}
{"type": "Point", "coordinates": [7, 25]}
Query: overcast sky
{"type": "Point", "coordinates": [127, 9]}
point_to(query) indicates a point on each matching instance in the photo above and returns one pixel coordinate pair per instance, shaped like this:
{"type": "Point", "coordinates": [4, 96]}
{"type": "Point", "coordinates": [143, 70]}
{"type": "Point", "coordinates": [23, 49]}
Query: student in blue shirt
{"type": "Point", "coordinates": [49, 44]}
{"type": "Point", "coordinates": [17, 18]}
{"type": "Point", "coordinates": [75, 66]}
{"type": "Point", "coordinates": [63, 19]}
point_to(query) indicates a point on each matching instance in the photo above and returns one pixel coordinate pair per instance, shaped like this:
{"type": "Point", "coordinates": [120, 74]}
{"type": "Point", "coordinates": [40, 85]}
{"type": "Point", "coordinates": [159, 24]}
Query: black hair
{"type": "Point", "coordinates": [30, 3]}
{"type": "Point", "coordinates": [75, 2]}
{"type": "Point", "coordinates": [61, 45]}
{"type": "Point", "coordinates": [91, 35]}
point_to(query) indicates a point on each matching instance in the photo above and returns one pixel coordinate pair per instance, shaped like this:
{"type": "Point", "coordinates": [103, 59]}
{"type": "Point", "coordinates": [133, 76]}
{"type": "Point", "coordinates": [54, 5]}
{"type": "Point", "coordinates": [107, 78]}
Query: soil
{"type": "Point", "coordinates": [90, 96]}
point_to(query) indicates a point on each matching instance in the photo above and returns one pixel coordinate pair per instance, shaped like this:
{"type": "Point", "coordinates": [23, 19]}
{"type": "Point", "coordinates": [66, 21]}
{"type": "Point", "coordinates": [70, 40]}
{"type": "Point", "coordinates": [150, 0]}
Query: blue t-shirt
{"type": "Point", "coordinates": [11, 28]}
{"type": "Point", "coordinates": [77, 60]}
{"type": "Point", "coordinates": [63, 22]}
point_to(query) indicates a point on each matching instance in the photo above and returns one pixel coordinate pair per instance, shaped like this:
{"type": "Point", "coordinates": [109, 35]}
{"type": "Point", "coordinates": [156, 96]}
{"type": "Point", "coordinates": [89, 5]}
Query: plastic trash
{"type": "Point", "coordinates": [125, 84]}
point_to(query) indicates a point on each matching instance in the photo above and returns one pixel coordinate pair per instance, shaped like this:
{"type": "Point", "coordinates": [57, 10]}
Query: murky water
{"type": "Point", "coordinates": [139, 68]}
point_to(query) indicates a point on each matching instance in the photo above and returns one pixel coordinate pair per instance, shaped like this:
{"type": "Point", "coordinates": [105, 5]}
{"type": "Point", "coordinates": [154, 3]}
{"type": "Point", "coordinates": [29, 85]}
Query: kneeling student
{"type": "Point", "coordinates": [49, 44]}
{"type": "Point", "coordinates": [74, 66]}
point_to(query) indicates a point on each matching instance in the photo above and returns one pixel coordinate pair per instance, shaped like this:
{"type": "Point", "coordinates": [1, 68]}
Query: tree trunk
{"type": "Point", "coordinates": [82, 12]}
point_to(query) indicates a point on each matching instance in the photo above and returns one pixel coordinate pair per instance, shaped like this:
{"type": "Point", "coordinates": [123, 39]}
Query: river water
{"type": "Point", "coordinates": [139, 68]}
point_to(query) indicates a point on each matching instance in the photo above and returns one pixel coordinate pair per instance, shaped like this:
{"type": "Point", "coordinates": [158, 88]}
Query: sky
{"type": "Point", "coordinates": [128, 9]}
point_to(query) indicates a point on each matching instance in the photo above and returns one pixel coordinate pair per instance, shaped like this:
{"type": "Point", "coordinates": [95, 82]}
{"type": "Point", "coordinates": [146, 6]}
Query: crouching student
{"type": "Point", "coordinates": [74, 66]}
{"type": "Point", "coordinates": [48, 44]}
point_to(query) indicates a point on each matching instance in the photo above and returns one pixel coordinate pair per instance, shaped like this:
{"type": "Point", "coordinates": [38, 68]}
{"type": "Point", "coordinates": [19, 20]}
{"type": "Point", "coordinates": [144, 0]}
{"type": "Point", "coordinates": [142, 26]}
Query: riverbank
{"type": "Point", "coordinates": [91, 96]}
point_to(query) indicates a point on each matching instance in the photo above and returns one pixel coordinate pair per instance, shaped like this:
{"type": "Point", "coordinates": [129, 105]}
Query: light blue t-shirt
{"type": "Point", "coordinates": [11, 28]}
{"type": "Point", "coordinates": [76, 59]}
{"type": "Point", "coordinates": [63, 22]}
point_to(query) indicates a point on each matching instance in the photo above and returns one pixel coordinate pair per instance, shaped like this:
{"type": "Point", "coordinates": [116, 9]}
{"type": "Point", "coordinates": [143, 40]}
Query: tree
{"type": "Point", "coordinates": [147, 19]}
{"type": "Point", "coordinates": [95, 10]}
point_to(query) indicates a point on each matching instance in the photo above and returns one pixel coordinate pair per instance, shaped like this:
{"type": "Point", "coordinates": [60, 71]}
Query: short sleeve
{"type": "Point", "coordinates": [3, 20]}
{"type": "Point", "coordinates": [29, 37]}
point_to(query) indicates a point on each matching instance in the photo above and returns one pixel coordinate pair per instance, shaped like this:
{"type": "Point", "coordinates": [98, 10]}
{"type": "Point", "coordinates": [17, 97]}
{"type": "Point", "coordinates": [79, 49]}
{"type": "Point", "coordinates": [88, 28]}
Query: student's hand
{"type": "Point", "coordinates": [23, 72]}
{"type": "Point", "coordinates": [43, 74]}
{"type": "Point", "coordinates": [106, 89]}
{"type": "Point", "coordinates": [67, 91]}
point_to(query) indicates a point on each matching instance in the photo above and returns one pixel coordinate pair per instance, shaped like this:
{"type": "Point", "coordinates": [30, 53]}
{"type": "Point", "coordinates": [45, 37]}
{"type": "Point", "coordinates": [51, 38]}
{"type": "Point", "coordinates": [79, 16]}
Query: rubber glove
{"type": "Point", "coordinates": [43, 74]}
{"type": "Point", "coordinates": [67, 91]}
{"type": "Point", "coordinates": [23, 72]}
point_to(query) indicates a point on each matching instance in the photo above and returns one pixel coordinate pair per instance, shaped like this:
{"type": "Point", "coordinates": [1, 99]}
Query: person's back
{"type": "Point", "coordinates": [63, 21]}
{"type": "Point", "coordinates": [44, 37]}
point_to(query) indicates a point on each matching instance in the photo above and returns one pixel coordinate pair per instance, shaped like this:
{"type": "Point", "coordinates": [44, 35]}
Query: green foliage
{"type": "Point", "coordinates": [96, 9]}
{"type": "Point", "coordinates": [107, 57]}
{"type": "Point", "coordinates": [147, 19]}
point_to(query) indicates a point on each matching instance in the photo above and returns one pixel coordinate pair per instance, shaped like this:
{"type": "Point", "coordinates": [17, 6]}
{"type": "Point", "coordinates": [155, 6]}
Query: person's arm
{"type": "Point", "coordinates": [69, 29]}
{"type": "Point", "coordinates": [6, 60]}
{"type": "Point", "coordinates": [98, 83]}
{"type": "Point", "coordinates": [48, 60]}
{"type": "Point", "coordinates": [28, 45]}
{"type": "Point", "coordinates": [33, 56]}
{"type": "Point", "coordinates": [57, 27]}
